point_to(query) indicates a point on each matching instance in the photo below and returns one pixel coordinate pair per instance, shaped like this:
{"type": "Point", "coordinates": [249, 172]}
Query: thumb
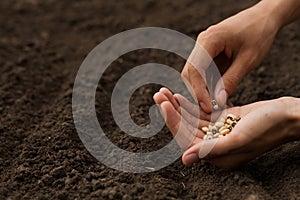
{"type": "Point", "coordinates": [207, 149]}
{"type": "Point", "coordinates": [230, 80]}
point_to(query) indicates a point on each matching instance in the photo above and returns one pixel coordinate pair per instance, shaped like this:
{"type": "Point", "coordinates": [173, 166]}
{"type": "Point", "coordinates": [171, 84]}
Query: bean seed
{"type": "Point", "coordinates": [231, 116]}
{"type": "Point", "coordinates": [209, 133]}
{"type": "Point", "coordinates": [216, 135]}
{"type": "Point", "coordinates": [222, 128]}
{"type": "Point", "coordinates": [214, 131]}
{"type": "Point", "coordinates": [229, 121]}
{"type": "Point", "coordinates": [225, 131]}
{"type": "Point", "coordinates": [209, 137]}
{"type": "Point", "coordinates": [205, 129]}
{"type": "Point", "coordinates": [219, 124]}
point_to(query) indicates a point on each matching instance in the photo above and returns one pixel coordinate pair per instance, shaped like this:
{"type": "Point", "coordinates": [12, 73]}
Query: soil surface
{"type": "Point", "coordinates": [42, 45]}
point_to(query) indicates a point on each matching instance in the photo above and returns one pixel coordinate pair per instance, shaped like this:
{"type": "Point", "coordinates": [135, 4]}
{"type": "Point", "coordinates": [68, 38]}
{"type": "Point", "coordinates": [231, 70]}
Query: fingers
{"type": "Point", "coordinates": [230, 80]}
{"type": "Point", "coordinates": [159, 98]}
{"type": "Point", "coordinates": [183, 133]}
{"type": "Point", "coordinates": [192, 108]}
{"type": "Point", "coordinates": [193, 120]}
{"type": "Point", "coordinates": [170, 97]}
{"type": "Point", "coordinates": [206, 48]}
{"type": "Point", "coordinates": [194, 72]}
{"type": "Point", "coordinates": [208, 149]}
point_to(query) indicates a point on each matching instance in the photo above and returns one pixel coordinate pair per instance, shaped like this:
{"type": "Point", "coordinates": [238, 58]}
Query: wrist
{"type": "Point", "coordinates": [281, 12]}
{"type": "Point", "coordinates": [291, 111]}
{"type": "Point", "coordinates": [265, 10]}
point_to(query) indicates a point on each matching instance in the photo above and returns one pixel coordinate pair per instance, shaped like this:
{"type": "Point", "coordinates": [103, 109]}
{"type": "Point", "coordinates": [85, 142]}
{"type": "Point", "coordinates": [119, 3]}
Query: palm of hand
{"type": "Point", "coordinates": [260, 129]}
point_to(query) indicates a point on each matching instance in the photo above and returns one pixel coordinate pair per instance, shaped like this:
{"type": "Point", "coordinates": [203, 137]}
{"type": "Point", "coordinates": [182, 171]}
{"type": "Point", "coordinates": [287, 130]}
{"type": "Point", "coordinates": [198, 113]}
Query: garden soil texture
{"type": "Point", "coordinates": [42, 45]}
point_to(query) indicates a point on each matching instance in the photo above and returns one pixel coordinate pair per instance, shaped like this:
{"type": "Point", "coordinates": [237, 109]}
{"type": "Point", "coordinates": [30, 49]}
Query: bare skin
{"type": "Point", "coordinates": [238, 45]}
{"type": "Point", "coordinates": [261, 129]}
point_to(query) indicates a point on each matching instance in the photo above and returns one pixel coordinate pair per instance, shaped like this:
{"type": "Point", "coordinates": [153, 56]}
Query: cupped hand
{"type": "Point", "coordinates": [263, 126]}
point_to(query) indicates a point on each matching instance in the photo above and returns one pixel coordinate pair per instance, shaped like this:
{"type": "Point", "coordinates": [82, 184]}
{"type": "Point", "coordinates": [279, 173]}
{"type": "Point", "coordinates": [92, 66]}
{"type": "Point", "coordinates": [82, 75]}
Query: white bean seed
{"type": "Point", "coordinates": [209, 137]}
{"type": "Point", "coordinates": [231, 116]}
{"type": "Point", "coordinates": [222, 128]}
{"type": "Point", "coordinates": [216, 135]}
{"type": "Point", "coordinates": [205, 129]}
{"type": "Point", "coordinates": [219, 124]}
{"type": "Point", "coordinates": [229, 121]}
{"type": "Point", "coordinates": [209, 133]}
{"type": "Point", "coordinates": [225, 131]}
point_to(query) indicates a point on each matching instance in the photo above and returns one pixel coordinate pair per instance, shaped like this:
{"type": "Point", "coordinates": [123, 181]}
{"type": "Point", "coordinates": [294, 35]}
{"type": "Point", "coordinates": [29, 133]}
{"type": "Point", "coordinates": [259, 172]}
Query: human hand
{"type": "Point", "coordinates": [263, 126]}
{"type": "Point", "coordinates": [237, 45]}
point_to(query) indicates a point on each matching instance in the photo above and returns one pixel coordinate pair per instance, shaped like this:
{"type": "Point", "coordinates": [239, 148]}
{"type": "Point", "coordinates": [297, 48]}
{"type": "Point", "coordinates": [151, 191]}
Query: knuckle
{"type": "Point", "coordinates": [201, 36]}
{"type": "Point", "coordinates": [212, 29]}
{"type": "Point", "coordinates": [210, 39]}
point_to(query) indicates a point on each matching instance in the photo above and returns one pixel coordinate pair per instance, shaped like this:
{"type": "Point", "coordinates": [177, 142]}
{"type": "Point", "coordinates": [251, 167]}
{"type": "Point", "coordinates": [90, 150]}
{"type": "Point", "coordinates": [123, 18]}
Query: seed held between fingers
{"type": "Point", "coordinates": [214, 105]}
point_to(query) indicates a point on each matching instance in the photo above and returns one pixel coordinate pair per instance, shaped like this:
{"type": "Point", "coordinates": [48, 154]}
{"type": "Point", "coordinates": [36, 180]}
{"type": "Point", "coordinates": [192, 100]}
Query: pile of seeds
{"type": "Point", "coordinates": [220, 128]}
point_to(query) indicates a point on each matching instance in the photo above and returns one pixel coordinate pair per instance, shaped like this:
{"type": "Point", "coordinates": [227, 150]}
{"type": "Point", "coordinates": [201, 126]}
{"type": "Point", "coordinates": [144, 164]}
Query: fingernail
{"type": "Point", "coordinates": [191, 158]}
{"type": "Point", "coordinates": [222, 97]}
{"type": "Point", "coordinates": [203, 106]}
{"type": "Point", "coordinates": [163, 112]}
{"type": "Point", "coordinates": [155, 95]}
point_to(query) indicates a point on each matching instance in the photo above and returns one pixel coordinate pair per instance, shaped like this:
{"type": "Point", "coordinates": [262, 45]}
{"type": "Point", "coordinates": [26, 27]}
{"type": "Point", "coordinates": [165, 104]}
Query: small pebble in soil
{"type": "Point", "coordinates": [89, 176]}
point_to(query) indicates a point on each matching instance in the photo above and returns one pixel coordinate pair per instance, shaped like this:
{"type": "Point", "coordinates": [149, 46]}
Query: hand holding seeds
{"type": "Point", "coordinates": [259, 129]}
{"type": "Point", "coordinates": [252, 129]}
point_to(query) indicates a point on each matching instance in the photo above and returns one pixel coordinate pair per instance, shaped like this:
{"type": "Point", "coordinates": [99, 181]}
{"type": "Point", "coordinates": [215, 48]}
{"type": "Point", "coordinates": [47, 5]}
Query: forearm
{"type": "Point", "coordinates": [293, 117]}
{"type": "Point", "coordinates": [283, 11]}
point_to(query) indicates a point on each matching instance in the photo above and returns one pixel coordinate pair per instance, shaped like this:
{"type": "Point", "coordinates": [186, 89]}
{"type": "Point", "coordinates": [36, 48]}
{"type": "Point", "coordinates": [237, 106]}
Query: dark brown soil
{"type": "Point", "coordinates": [42, 44]}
